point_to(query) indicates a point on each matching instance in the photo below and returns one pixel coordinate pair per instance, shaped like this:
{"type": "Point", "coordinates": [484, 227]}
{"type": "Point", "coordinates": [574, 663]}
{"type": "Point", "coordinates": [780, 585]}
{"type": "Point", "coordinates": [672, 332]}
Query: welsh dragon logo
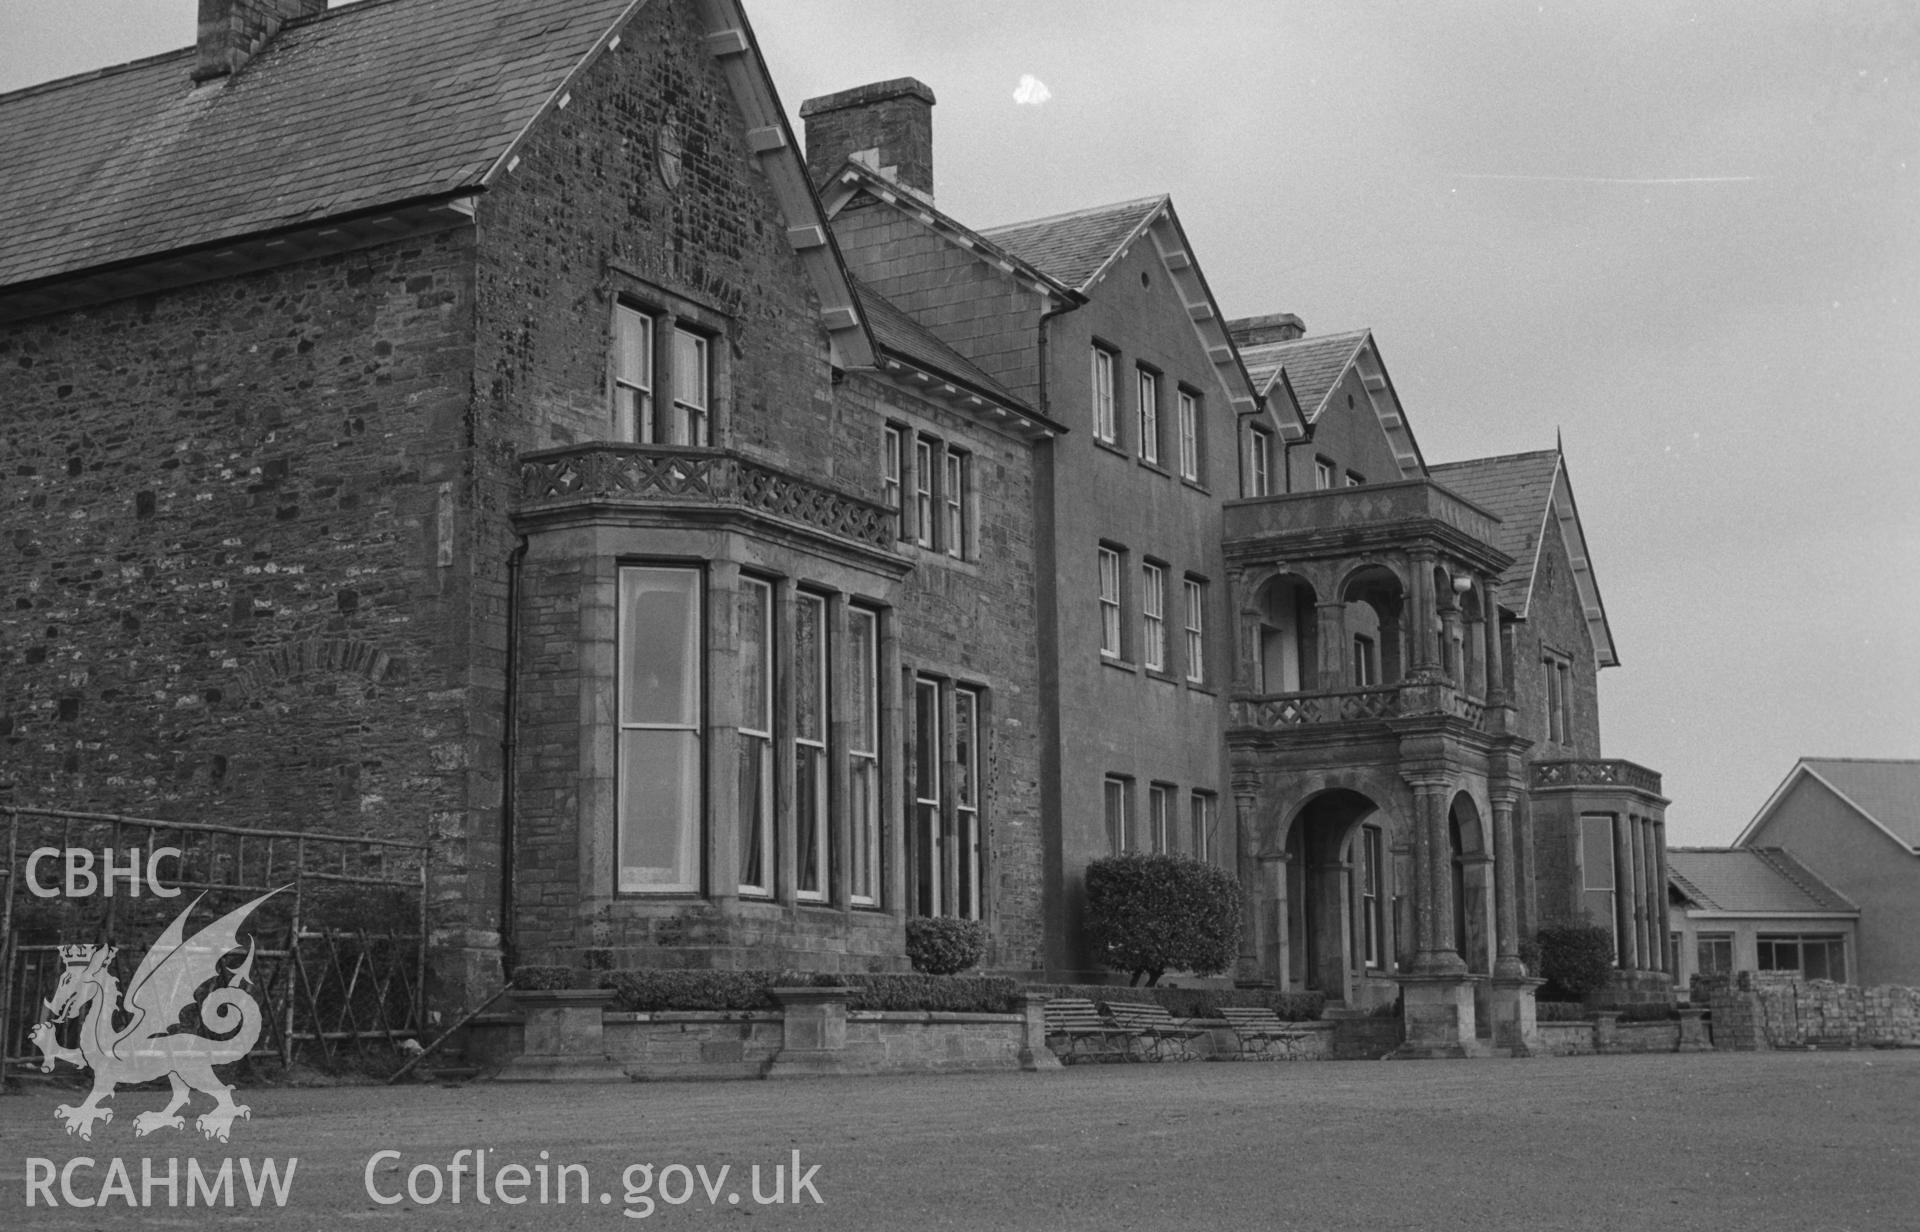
{"type": "Point", "coordinates": [144, 1045]}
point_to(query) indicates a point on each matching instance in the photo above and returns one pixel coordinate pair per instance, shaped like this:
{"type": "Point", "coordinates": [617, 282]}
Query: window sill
{"type": "Point", "coordinates": [1200, 687]}
{"type": "Point", "coordinates": [1164, 677]}
{"type": "Point", "coordinates": [1120, 665]}
{"type": "Point", "coordinates": [1156, 468]}
{"type": "Point", "coordinates": [931, 556]}
{"type": "Point", "coordinates": [1196, 486]}
{"type": "Point", "coordinates": [1112, 447]}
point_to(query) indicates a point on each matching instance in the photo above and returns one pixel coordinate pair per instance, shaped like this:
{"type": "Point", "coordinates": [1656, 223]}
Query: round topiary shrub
{"type": "Point", "coordinates": [1149, 914]}
{"type": "Point", "coordinates": [943, 945]}
{"type": "Point", "coordinates": [1575, 959]}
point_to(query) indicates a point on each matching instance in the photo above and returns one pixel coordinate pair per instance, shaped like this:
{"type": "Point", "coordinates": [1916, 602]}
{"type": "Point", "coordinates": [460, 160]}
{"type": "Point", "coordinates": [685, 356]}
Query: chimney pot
{"type": "Point", "coordinates": [1274, 327]}
{"type": "Point", "coordinates": [231, 32]}
{"type": "Point", "coordinates": [893, 118]}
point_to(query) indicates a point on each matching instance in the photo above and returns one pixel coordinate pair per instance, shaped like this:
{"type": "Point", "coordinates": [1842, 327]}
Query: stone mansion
{"type": "Point", "coordinates": [492, 423]}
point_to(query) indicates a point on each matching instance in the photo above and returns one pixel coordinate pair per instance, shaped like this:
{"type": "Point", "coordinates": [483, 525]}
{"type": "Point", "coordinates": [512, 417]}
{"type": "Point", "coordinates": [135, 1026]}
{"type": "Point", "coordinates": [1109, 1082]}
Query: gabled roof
{"type": "Point", "coordinates": [353, 111]}
{"type": "Point", "coordinates": [1525, 490]}
{"type": "Point", "coordinates": [1516, 488]}
{"type": "Point", "coordinates": [900, 338]}
{"type": "Point", "coordinates": [1751, 881]}
{"type": "Point", "coordinates": [1314, 367]}
{"type": "Point", "coordinates": [358, 107]}
{"type": "Point", "coordinates": [1884, 791]}
{"type": "Point", "coordinates": [1152, 218]}
{"type": "Point", "coordinates": [1077, 247]}
{"type": "Point", "coordinates": [855, 177]}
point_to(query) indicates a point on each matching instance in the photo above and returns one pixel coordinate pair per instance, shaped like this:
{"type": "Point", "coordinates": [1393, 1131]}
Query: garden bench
{"type": "Point", "coordinates": [1157, 1027]}
{"type": "Point", "coordinates": [1260, 1030]}
{"type": "Point", "coordinates": [1087, 1034]}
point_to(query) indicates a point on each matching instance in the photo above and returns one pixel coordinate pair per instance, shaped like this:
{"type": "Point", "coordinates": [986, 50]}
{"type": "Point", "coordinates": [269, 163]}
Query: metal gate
{"type": "Point", "coordinates": [339, 960]}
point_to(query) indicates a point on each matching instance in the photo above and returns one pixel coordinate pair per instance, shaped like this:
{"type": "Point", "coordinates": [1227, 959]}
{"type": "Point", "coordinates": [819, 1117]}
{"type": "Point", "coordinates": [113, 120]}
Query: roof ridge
{"type": "Point", "coordinates": [1309, 338]}
{"type": "Point", "coordinates": [1497, 457]}
{"type": "Point", "coordinates": [91, 74]}
{"type": "Point", "coordinates": [1786, 863]}
{"type": "Point", "coordinates": [1141, 202]}
{"type": "Point", "coordinates": [1868, 761]}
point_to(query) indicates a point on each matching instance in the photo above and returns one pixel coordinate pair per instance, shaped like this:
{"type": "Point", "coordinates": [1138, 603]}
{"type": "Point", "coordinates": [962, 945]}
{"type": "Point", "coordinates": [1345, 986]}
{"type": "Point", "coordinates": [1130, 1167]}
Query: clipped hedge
{"type": "Point", "coordinates": [944, 945]}
{"type": "Point", "coordinates": [652, 990]}
{"type": "Point", "coordinates": [1197, 1002]}
{"type": "Point", "coordinates": [1559, 1011]}
{"type": "Point", "coordinates": [953, 994]}
{"type": "Point", "coordinates": [543, 979]}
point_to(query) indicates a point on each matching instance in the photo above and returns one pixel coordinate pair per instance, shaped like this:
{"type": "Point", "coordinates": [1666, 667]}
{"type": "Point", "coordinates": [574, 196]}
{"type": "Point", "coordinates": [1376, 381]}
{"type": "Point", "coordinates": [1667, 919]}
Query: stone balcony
{"type": "Point", "coordinates": [1286, 712]}
{"type": "Point", "coordinates": [1369, 515]}
{"type": "Point", "coordinates": [608, 476]}
{"type": "Point", "coordinates": [1594, 772]}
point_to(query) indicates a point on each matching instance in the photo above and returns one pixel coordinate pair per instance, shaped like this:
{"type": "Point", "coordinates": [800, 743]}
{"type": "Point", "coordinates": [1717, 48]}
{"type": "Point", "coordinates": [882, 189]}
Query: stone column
{"type": "Point", "coordinates": [1623, 893]}
{"type": "Point", "coordinates": [1246, 634]}
{"type": "Point", "coordinates": [1420, 618]}
{"type": "Point", "coordinates": [1275, 872]}
{"type": "Point", "coordinates": [1453, 658]}
{"type": "Point", "coordinates": [1421, 891]}
{"type": "Point", "coordinates": [1434, 882]}
{"type": "Point", "coordinates": [1637, 835]}
{"type": "Point", "coordinates": [724, 711]}
{"type": "Point", "coordinates": [1506, 962]}
{"type": "Point", "coordinates": [1494, 657]}
{"type": "Point", "coordinates": [1248, 968]}
{"type": "Point", "coordinates": [1669, 960]}
{"type": "Point", "coordinates": [1330, 930]}
{"type": "Point", "coordinates": [1330, 672]}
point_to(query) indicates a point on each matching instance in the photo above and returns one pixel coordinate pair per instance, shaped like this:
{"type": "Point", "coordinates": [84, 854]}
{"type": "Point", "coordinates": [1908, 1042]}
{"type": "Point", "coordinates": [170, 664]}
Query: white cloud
{"type": "Point", "coordinates": [1032, 91]}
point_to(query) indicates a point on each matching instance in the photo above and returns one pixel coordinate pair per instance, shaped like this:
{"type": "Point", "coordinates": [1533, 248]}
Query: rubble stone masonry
{"type": "Point", "coordinates": [230, 586]}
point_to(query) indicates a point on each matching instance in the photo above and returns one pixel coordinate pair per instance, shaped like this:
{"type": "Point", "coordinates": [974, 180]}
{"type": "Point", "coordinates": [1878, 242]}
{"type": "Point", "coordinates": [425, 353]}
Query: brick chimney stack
{"type": "Point", "coordinates": [887, 125]}
{"type": "Point", "coordinates": [1274, 327]}
{"type": "Point", "coordinates": [233, 31]}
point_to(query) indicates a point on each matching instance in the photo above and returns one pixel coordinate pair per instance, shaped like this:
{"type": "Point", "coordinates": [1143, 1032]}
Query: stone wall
{"type": "Point", "coordinates": [1756, 1011]}
{"type": "Point", "coordinates": [710, 1045]}
{"type": "Point", "coordinates": [236, 587]}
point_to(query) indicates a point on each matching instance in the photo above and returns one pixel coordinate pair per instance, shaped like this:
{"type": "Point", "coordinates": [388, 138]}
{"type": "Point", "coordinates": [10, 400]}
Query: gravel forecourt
{"type": "Point", "coordinates": [1810, 1141]}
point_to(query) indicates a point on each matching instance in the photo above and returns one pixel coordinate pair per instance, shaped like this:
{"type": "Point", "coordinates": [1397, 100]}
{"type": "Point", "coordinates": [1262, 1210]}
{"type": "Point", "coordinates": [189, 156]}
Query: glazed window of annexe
{"type": "Point", "coordinates": [661, 378]}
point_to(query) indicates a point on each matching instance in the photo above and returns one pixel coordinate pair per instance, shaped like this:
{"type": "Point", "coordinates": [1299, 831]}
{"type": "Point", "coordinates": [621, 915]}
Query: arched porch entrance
{"type": "Point", "coordinates": [1340, 896]}
{"type": "Point", "coordinates": [1471, 867]}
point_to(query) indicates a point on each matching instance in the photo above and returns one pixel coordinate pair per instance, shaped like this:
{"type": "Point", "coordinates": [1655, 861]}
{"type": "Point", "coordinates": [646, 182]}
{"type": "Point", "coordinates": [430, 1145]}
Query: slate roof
{"type": "Point", "coordinates": [1887, 790]}
{"type": "Point", "coordinates": [907, 339]}
{"type": "Point", "coordinates": [1075, 247]}
{"type": "Point", "coordinates": [1313, 365]}
{"type": "Point", "coordinates": [1755, 880]}
{"type": "Point", "coordinates": [363, 106]}
{"type": "Point", "coordinates": [1517, 489]}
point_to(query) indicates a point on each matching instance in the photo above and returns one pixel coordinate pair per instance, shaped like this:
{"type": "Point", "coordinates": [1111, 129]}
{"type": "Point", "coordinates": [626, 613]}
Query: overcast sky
{"type": "Point", "coordinates": [1686, 236]}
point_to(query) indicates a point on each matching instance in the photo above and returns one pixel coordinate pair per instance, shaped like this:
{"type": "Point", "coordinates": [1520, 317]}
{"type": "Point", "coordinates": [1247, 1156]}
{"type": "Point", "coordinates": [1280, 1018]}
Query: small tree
{"type": "Point", "coordinates": [1575, 959]}
{"type": "Point", "coordinates": [1148, 914]}
{"type": "Point", "coordinates": [944, 945]}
